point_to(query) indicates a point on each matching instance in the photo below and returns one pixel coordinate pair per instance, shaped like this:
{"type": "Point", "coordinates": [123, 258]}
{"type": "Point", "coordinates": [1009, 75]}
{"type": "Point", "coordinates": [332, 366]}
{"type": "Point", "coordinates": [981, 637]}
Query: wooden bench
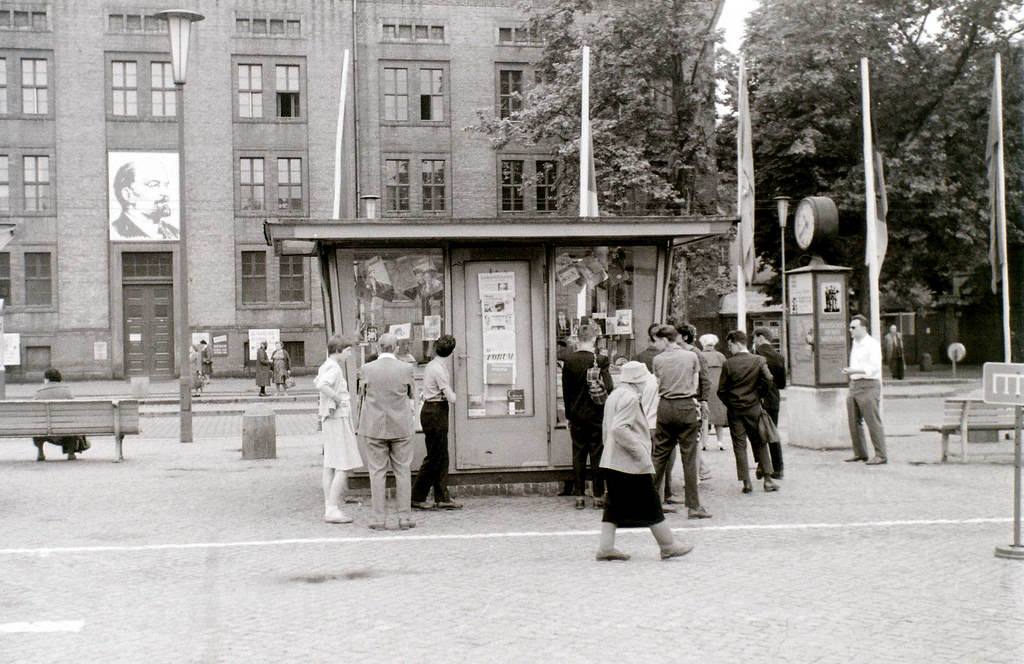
{"type": "Point", "coordinates": [70, 417]}
{"type": "Point", "coordinates": [962, 415]}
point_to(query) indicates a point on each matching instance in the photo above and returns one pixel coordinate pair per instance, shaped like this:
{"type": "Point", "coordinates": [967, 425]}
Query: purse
{"type": "Point", "coordinates": [769, 432]}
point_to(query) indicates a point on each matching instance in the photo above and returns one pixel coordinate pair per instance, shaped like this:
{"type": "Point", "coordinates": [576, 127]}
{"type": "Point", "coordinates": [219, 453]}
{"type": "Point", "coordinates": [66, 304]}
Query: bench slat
{"type": "Point", "coordinates": [29, 418]}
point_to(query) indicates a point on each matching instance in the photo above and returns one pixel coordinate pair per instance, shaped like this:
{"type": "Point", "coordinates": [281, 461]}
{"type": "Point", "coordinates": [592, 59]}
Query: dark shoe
{"type": "Point", "coordinates": [697, 513]}
{"type": "Point", "coordinates": [852, 459]}
{"type": "Point", "coordinates": [613, 554]}
{"type": "Point", "coordinates": [448, 505]}
{"type": "Point", "coordinates": [40, 456]}
{"type": "Point", "coordinates": [417, 505]}
{"type": "Point", "coordinates": [877, 461]}
{"type": "Point", "coordinates": [758, 473]}
{"type": "Point", "coordinates": [676, 551]}
{"type": "Point", "coordinates": [598, 503]}
{"type": "Point", "coordinates": [770, 486]}
{"type": "Point", "coordinates": [747, 488]}
{"type": "Point", "coordinates": [777, 476]}
{"type": "Point", "coordinates": [581, 503]}
{"type": "Point", "coordinates": [668, 509]}
{"type": "Point", "coordinates": [406, 524]}
{"type": "Point", "coordinates": [72, 457]}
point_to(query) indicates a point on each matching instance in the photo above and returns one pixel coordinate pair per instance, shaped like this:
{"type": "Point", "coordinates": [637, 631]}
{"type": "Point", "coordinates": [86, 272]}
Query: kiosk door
{"type": "Point", "coordinates": [498, 299]}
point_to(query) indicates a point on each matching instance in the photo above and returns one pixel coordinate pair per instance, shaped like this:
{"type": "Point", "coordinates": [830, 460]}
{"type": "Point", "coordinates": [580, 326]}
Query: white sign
{"type": "Point", "coordinates": [800, 294]}
{"type": "Point", "coordinates": [12, 349]}
{"type": "Point", "coordinates": [623, 321]}
{"type": "Point", "coordinates": [1004, 383]}
{"type": "Point", "coordinates": [200, 336]}
{"type": "Point", "coordinates": [143, 196]}
{"type": "Point", "coordinates": [401, 330]}
{"type": "Point", "coordinates": [256, 337]}
{"type": "Point", "coordinates": [497, 283]}
{"type": "Point", "coordinates": [99, 350]}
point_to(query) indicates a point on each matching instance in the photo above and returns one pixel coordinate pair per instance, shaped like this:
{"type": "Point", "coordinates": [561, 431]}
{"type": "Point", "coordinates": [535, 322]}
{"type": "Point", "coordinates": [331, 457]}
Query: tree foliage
{"type": "Point", "coordinates": [931, 67]}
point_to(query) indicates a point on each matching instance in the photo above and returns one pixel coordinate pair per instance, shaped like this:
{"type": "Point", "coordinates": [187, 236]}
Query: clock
{"type": "Point", "coordinates": [816, 219]}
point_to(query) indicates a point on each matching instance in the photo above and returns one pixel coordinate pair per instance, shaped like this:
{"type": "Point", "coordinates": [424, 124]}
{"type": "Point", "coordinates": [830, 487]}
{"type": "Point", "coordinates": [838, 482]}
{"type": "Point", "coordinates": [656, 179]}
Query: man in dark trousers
{"type": "Point", "coordinates": [777, 367]}
{"type": "Point", "coordinates": [584, 414]}
{"type": "Point", "coordinates": [744, 383]}
{"type": "Point", "coordinates": [649, 402]}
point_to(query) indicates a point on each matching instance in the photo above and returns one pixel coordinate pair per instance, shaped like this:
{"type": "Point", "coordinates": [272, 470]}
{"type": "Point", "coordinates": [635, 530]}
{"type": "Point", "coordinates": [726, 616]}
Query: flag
{"type": "Point", "coordinates": [588, 177]}
{"type": "Point", "coordinates": [881, 209]}
{"type": "Point", "coordinates": [996, 182]}
{"type": "Point", "coordinates": [745, 178]}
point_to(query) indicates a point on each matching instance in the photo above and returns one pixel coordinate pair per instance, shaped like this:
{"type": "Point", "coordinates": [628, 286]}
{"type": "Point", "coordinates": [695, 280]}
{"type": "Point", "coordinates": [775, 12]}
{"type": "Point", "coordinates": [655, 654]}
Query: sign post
{"type": "Point", "coordinates": [1004, 384]}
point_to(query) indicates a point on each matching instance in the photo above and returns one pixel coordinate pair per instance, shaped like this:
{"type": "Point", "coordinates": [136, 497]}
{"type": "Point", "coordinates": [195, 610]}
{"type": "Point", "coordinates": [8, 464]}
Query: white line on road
{"type": "Point", "coordinates": [42, 626]}
{"type": "Point", "coordinates": [406, 537]}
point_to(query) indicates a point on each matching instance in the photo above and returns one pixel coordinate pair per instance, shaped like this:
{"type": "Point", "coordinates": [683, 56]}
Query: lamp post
{"type": "Point", "coordinates": [179, 24]}
{"type": "Point", "coordinates": [782, 204]}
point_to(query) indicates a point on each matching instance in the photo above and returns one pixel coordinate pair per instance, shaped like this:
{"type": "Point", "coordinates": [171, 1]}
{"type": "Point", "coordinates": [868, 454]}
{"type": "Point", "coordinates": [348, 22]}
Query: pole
{"type": "Point", "coordinates": [1015, 550]}
{"type": "Point", "coordinates": [784, 341]}
{"type": "Point", "coordinates": [1002, 253]}
{"type": "Point", "coordinates": [869, 202]}
{"type": "Point", "coordinates": [184, 336]}
{"type": "Point", "coordinates": [339, 135]}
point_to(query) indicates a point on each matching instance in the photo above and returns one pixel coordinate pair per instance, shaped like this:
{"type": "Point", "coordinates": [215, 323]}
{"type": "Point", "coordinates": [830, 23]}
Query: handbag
{"type": "Point", "coordinates": [769, 432]}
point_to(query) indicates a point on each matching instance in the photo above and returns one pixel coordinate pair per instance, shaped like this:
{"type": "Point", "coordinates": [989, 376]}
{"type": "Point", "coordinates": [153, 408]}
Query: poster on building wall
{"type": "Point", "coordinates": [99, 350]}
{"type": "Point", "coordinates": [256, 337]}
{"type": "Point", "coordinates": [220, 345]}
{"type": "Point", "coordinates": [144, 196]}
{"type": "Point", "coordinates": [12, 349]}
{"type": "Point", "coordinates": [200, 336]}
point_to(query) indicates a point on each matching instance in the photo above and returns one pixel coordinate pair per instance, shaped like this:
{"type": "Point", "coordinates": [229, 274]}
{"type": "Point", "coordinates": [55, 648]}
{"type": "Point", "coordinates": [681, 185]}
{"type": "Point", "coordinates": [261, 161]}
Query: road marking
{"type": "Point", "coordinates": [406, 537]}
{"type": "Point", "coordinates": [42, 626]}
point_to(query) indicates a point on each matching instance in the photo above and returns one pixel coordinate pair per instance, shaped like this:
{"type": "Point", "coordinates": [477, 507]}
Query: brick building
{"type": "Point", "coordinates": [85, 88]}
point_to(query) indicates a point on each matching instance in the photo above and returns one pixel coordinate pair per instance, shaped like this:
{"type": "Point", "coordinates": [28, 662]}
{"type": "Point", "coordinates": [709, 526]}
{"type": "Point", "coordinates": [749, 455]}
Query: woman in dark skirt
{"type": "Point", "coordinates": [631, 500]}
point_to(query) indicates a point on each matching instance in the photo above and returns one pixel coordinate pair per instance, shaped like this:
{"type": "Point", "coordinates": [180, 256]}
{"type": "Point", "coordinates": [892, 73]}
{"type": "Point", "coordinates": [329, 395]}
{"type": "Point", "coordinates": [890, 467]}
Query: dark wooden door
{"type": "Point", "coordinates": [148, 330]}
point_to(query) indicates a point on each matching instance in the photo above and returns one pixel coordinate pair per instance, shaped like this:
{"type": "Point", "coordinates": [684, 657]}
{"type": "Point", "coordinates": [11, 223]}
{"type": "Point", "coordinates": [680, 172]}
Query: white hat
{"type": "Point", "coordinates": [634, 372]}
{"type": "Point", "coordinates": [707, 340]}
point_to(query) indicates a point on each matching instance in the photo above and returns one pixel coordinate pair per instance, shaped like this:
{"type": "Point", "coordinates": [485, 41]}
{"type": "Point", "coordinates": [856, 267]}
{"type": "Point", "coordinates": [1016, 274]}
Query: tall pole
{"type": "Point", "coordinates": [1002, 250]}
{"type": "Point", "coordinates": [871, 236]}
{"type": "Point", "coordinates": [185, 337]}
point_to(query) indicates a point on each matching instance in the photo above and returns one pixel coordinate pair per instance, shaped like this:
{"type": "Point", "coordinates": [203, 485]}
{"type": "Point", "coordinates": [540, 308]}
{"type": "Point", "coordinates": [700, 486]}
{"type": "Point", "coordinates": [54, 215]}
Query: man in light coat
{"type": "Point", "coordinates": [386, 426]}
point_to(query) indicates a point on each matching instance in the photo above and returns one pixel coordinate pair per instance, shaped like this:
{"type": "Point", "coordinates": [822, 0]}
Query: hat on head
{"type": "Point", "coordinates": [708, 340]}
{"type": "Point", "coordinates": [634, 372]}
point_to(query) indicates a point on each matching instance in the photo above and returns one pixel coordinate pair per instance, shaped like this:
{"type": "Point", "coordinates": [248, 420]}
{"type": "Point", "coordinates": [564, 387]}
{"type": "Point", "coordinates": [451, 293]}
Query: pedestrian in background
{"type": "Point", "coordinates": [262, 368]}
{"type": "Point", "coordinates": [437, 395]}
{"type": "Point", "coordinates": [864, 401]}
{"type": "Point", "coordinates": [772, 401]}
{"type": "Point", "coordinates": [632, 500]}
{"type": "Point", "coordinates": [281, 363]}
{"type": "Point", "coordinates": [649, 402]}
{"type": "Point", "coordinates": [744, 383]}
{"type": "Point", "coordinates": [894, 352]}
{"type": "Point", "coordinates": [195, 369]}
{"type": "Point", "coordinates": [584, 414]}
{"type": "Point", "coordinates": [341, 450]}
{"type": "Point", "coordinates": [206, 358]}
{"type": "Point", "coordinates": [687, 339]}
{"type": "Point", "coordinates": [715, 415]}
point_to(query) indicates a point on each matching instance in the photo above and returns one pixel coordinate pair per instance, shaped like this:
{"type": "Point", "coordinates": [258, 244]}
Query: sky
{"type": "Point", "coordinates": [733, 15]}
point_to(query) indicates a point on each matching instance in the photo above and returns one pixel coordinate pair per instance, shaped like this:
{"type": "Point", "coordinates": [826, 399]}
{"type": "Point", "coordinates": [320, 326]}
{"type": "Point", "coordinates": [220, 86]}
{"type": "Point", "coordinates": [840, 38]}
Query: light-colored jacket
{"type": "Point", "coordinates": [386, 404]}
{"type": "Point", "coordinates": [649, 401]}
{"type": "Point", "coordinates": [627, 440]}
{"type": "Point", "coordinates": [331, 377]}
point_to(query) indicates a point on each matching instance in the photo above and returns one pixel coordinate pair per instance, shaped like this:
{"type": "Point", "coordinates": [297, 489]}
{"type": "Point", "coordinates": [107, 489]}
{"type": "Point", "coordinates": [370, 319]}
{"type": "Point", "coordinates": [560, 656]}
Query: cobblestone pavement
{"type": "Point", "coordinates": [186, 553]}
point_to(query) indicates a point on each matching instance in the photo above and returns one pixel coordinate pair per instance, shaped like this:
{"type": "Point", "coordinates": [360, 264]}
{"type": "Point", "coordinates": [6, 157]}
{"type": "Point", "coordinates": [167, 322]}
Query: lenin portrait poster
{"type": "Point", "coordinates": [144, 196]}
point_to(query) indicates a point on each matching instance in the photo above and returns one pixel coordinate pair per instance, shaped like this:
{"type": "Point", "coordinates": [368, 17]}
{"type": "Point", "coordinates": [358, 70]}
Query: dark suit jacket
{"type": "Point", "coordinates": [126, 228]}
{"type": "Point", "coordinates": [745, 381]}
{"type": "Point", "coordinates": [777, 366]}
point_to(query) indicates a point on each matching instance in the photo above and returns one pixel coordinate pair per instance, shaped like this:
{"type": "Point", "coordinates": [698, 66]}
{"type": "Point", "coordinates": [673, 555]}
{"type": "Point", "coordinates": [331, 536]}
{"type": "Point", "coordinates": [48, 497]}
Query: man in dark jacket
{"type": "Point", "coordinates": [772, 400]}
{"type": "Point", "coordinates": [53, 389]}
{"type": "Point", "coordinates": [744, 383]}
{"type": "Point", "coordinates": [584, 414]}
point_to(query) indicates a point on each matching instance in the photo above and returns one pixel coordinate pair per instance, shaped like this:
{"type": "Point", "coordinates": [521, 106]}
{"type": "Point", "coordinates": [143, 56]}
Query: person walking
{"type": "Point", "coordinates": [262, 368]}
{"type": "Point", "coordinates": [715, 415]}
{"type": "Point", "coordinates": [863, 404]}
{"type": "Point", "coordinates": [632, 500]}
{"type": "Point", "coordinates": [281, 364]}
{"type": "Point", "coordinates": [584, 413]}
{"type": "Point", "coordinates": [386, 406]}
{"type": "Point", "coordinates": [206, 359]}
{"type": "Point", "coordinates": [894, 352]}
{"type": "Point", "coordinates": [686, 341]}
{"type": "Point", "coordinates": [772, 401]}
{"type": "Point", "coordinates": [437, 395]}
{"type": "Point", "coordinates": [744, 383]}
{"type": "Point", "coordinates": [680, 393]}
{"type": "Point", "coordinates": [341, 450]}
{"type": "Point", "coordinates": [53, 389]}
{"type": "Point", "coordinates": [195, 369]}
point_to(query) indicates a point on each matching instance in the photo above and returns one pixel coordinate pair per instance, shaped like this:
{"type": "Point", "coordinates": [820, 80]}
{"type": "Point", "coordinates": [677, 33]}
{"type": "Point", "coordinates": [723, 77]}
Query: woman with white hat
{"type": "Point", "coordinates": [631, 500]}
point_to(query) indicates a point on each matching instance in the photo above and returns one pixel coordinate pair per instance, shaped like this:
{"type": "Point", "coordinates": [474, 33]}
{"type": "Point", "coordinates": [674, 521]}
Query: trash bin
{"type": "Point", "coordinates": [259, 433]}
{"type": "Point", "coordinates": [926, 361]}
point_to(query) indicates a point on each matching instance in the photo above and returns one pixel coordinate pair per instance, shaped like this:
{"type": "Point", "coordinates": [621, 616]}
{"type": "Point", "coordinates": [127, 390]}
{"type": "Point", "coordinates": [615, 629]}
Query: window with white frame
{"type": "Point", "coordinates": [36, 178]}
{"type": "Point", "coordinates": [250, 91]}
{"type": "Point", "coordinates": [289, 184]}
{"type": "Point", "coordinates": [407, 31]}
{"type": "Point", "coordinates": [38, 279]}
{"type": "Point", "coordinates": [5, 184]}
{"type": "Point", "coordinates": [286, 78]}
{"type": "Point", "coordinates": [254, 277]}
{"type": "Point", "coordinates": [433, 185]}
{"type": "Point", "coordinates": [396, 185]}
{"type": "Point", "coordinates": [251, 183]}
{"type": "Point", "coordinates": [35, 98]}
{"type": "Point", "coordinates": [291, 279]}
{"type": "Point", "coordinates": [510, 91]}
{"type": "Point", "coordinates": [163, 103]}
{"type": "Point", "coordinates": [545, 192]}
{"type": "Point", "coordinates": [512, 185]}
{"type": "Point", "coordinates": [5, 277]}
{"type": "Point", "coordinates": [124, 85]}
{"type": "Point", "coordinates": [396, 94]}
{"type": "Point", "coordinates": [432, 94]}
{"type": "Point", "coordinates": [3, 86]}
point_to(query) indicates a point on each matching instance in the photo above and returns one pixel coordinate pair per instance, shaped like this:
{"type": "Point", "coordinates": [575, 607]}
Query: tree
{"type": "Point", "coordinates": [931, 73]}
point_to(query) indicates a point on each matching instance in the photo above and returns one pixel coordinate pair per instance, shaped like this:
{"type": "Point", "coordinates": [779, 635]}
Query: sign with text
{"type": "Point", "coordinates": [1004, 383]}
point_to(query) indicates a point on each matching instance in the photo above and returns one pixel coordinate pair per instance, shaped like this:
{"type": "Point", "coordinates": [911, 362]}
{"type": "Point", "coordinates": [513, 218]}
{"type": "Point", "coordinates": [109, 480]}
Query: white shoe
{"type": "Point", "coordinates": [335, 515]}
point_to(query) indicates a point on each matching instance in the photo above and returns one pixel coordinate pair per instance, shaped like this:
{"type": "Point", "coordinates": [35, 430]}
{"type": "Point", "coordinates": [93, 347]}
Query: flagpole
{"type": "Point", "coordinates": [1003, 254]}
{"type": "Point", "coordinates": [340, 135]}
{"type": "Point", "coordinates": [869, 204]}
{"type": "Point", "coordinates": [744, 197]}
{"type": "Point", "coordinates": [585, 135]}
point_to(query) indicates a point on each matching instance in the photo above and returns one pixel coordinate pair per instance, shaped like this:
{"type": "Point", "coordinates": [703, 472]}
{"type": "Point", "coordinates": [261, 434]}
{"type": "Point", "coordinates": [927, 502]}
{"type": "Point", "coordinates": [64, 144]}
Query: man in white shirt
{"type": "Point", "coordinates": [862, 404]}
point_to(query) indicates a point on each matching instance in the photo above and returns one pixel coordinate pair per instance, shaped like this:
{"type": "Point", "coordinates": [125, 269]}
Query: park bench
{"type": "Point", "coordinates": [70, 417]}
{"type": "Point", "coordinates": [966, 415]}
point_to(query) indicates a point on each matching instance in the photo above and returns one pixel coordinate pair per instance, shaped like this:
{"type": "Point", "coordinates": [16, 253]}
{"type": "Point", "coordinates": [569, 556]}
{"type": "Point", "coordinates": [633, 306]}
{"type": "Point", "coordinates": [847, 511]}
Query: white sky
{"type": "Point", "coordinates": [733, 15]}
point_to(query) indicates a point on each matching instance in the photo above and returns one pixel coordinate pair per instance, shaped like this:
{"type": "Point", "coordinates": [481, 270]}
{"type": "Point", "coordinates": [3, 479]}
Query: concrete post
{"type": "Point", "coordinates": [259, 433]}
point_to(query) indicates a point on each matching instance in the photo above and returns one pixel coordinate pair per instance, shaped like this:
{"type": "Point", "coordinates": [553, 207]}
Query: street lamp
{"type": "Point", "coordinates": [179, 24]}
{"type": "Point", "coordinates": [782, 204]}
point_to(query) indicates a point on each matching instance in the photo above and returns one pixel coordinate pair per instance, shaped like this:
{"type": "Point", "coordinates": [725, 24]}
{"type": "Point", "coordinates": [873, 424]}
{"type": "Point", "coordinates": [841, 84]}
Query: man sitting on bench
{"type": "Point", "coordinates": [53, 389]}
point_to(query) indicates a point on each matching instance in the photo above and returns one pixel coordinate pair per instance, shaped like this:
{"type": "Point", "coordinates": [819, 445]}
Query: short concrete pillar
{"type": "Point", "coordinates": [259, 433]}
{"type": "Point", "coordinates": [140, 386]}
{"type": "Point", "coordinates": [815, 417]}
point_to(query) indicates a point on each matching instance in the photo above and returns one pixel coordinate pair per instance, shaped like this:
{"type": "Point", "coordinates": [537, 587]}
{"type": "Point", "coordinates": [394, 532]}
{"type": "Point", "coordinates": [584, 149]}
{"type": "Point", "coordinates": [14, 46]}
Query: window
{"type": "Point", "coordinates": [433, 185]}
{"type": "Point", "coordinates": [135, 23]}
{"type": "Point", "coordinates": [520, 34]}
{"type": "Point", "coordinates": [164, 103]}
{"type": "Point", "coordinates": [511, 90]}
{"type": "Point", "coordinates": [5, 278]}
{"type": "Point", "coordinates": [254, 277]}
{"type": "Point", "coordinates": [293, 28]}
{"type": "Point", "coordinates": [287, 85]}
{"type": "Point", "coordinates": [276, 27]}
{"type": "Point", "coordinates": [396, 185]}
{"type": "Point", "coordinates": [3, 86]}
{"type": "Point", "coordinates": [125, 85]}
{"type": "Point", "coordinates": [34, 94]}
{"type": "Point", "coordinates": [431, 95]}
{"type": "Point", "coordinates": [292, 279]}
{"type": "Point", "coordinates": [296, 352]}
{"type": "Point", "coordinates": [250, 91]}
{"type": "Point", "coordinates": [512, 185]}
{"type": "Point", "coordinates": [547, 199]}
{"type": "Point", "coordinates": [396, 94]}
{"type": "Point", "coordinates": [412, 32]}
{"type": "Point", "coordinates": [37, 183]}
{"type": "Point", "coordinates": [251, 183]}
{"type": "Point", "coordinates": [289, 184]}
{"type": "Point", "coordinates": [38, 279]}
{"type": "Point", "coordinates": [5, 184]}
